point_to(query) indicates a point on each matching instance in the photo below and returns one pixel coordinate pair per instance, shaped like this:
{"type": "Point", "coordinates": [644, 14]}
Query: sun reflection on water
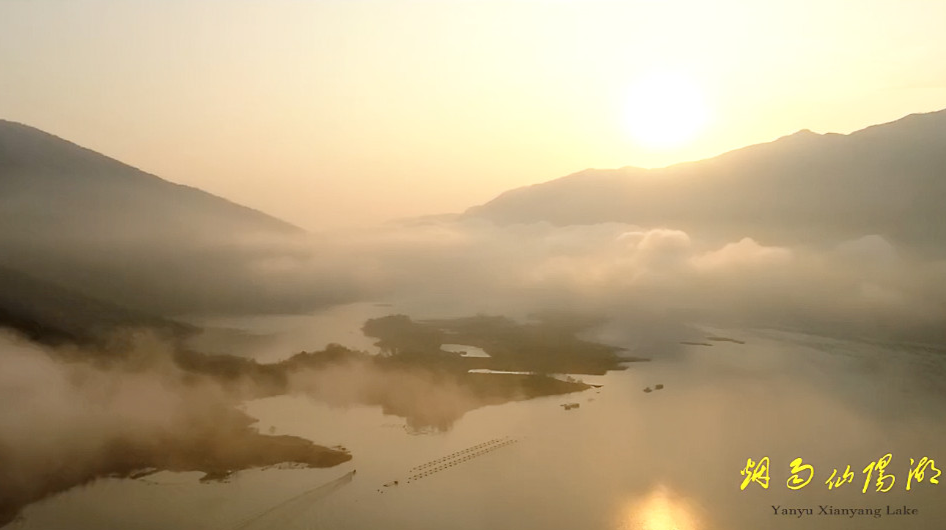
{"type": "Point", "coordinates": [660, 509]}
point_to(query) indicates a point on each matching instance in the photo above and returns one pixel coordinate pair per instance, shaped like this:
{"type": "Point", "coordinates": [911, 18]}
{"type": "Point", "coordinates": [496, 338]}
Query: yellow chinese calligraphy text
{"type": "Point", "coordinates": [756, 472]}
{"type": "Point", "coordinates": [795, 482]}
{"type": "Point", "coordinates": [880, 466]}
{"type": "Point", "coordinates": [918, 471]}
{"type": "Point", "coordinates": [833, 482]}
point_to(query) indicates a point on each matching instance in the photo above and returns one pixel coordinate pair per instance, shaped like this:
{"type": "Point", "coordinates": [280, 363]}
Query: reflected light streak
{"type": "Point", "coordinates": [660, 509]}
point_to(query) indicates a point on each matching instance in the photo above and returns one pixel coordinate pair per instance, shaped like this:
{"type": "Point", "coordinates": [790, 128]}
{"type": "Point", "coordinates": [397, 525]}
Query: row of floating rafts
{"type": "Point", "coordinates": [453, 459]}
{"type": "Point", "coordinates": [461, 457]}
{"type": "Point", "coordinates": [459, 454]}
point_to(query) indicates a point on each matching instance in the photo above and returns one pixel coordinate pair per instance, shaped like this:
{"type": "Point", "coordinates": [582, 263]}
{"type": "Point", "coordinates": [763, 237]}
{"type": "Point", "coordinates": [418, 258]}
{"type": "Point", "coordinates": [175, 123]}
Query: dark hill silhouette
{"type": "Point", "coordinates": [53, 184]}
{"type": "Point", "coordinates": [53, 315]}
{"type": "Point", "coordinates": [103, 229]}
{"type": "Point", "coordinates": [886, 179]}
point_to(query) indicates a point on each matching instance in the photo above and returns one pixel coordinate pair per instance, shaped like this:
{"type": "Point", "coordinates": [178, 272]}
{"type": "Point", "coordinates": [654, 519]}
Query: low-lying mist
{"type": "Point", "coordinates": [450, 266]}
{"type": "Point", "coordinates": [68, 422]}
{"type": "Point", "coordinates": [868, 287]}
{"type": "Point", "coordinates": [73, 416]}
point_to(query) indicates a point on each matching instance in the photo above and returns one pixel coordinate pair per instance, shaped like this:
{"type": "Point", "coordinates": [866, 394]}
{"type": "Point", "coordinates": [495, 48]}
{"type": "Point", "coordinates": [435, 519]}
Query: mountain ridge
{"type": "Point", "coordinates": [53, 315]}
{"type": "Point", "coordinates": [76, 218]}
{"type": "Point", "coordinates": [24, 150]}
{"type": "Point", "coordinates": [884, 179]}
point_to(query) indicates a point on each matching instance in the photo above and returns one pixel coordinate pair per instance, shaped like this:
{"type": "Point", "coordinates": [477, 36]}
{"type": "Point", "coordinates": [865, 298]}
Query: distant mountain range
{"type": "Point", "coordinates": [808, 188]}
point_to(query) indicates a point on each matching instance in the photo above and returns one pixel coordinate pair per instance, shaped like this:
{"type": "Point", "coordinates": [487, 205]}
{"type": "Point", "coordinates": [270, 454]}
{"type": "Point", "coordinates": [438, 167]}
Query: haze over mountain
{"type": "Point", "coordinates": [834, 233]}
{"type": "Point", "coordinates": [52, 315]}
{"type": "Point", "coordinates": [53, 185]}
{"type": "Point", "coordinates": [831, 234]}
{"type": "Point", "coordinates": [100, 227]}
{"type": "Point", "coordinates": [888, 180]}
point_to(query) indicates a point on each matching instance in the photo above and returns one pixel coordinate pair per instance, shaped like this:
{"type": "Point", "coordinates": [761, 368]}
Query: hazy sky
{"type": "Point", "coordinates": [336, 113]}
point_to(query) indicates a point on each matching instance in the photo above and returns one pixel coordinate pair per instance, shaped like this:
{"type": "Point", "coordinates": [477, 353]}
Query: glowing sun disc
{"type": "Point", "coordinates": [665, 110]}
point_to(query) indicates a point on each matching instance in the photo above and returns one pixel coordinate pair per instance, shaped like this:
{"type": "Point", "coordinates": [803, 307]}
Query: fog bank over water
{"type": "Point", "coordinates": [68, 422]}
{"type": "Point", "coordinates": [72, 421]}
{"type": "Point", "coordinates": [781, 393]}
{"type": "Point", "coordinates": [271, 338]}
{"type": "Point", "coordinates": [866, 286]}
{"type": "Point", "coordinates": [870, 261]}
{"type": "Point", "coordinates": [82, 415]}
{"type": "Point", "coordinates": [653, 281]}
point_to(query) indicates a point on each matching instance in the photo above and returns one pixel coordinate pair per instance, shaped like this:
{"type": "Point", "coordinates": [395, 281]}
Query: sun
{"type": "Point", "coordinates": [665, 110]}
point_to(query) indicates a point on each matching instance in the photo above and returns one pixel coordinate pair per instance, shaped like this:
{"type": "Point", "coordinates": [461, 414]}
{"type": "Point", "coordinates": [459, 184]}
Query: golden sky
{"type": "Point", "coordinates": [346, 113]}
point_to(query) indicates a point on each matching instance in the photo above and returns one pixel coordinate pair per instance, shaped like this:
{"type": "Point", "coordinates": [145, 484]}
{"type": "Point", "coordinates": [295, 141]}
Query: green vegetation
{"type": "Point", "coordinates": [430, 390]}
{"type": "Point", "coordinates": [221, 444]}
{"type": "Point", "coordinates": [547, 345]}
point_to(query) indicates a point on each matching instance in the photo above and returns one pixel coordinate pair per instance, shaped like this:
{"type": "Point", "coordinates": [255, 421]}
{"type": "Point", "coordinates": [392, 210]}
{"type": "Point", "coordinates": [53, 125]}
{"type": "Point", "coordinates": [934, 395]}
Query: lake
{"type": "Point", "coordinates": [625, 459]}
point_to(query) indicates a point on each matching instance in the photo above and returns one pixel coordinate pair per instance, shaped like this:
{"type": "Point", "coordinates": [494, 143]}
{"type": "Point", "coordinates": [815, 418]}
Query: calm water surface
{"type": "Point", "coordinates": [625, 459]}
